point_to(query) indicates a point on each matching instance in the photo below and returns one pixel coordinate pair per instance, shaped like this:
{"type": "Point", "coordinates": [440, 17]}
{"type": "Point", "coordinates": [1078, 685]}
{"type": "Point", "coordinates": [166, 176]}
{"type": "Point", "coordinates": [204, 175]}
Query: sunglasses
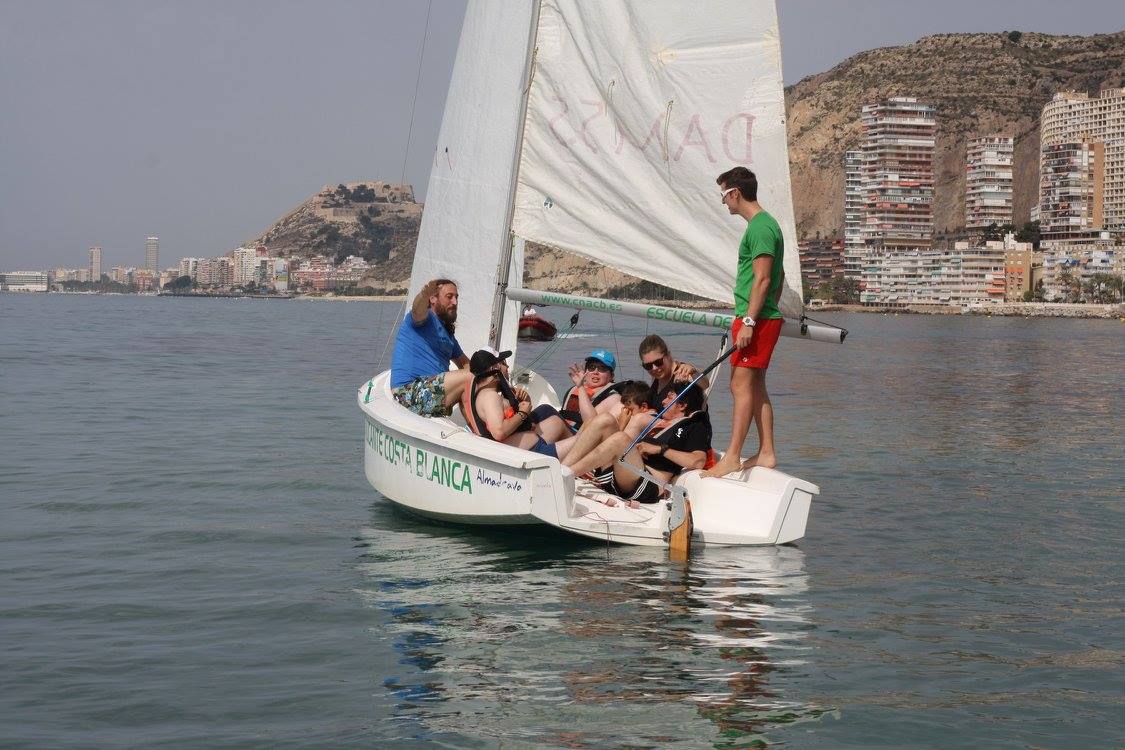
{"type": "Point", "coordinates": [653, 364]}
{"type": "Point", "coordinates": [594, 367]}
{"type": "Point", "coordinates": [723, 195]}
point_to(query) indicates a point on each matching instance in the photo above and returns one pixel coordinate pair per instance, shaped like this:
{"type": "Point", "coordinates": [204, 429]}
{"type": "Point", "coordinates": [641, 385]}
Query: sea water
{"type": "Point", "coordinates": [191, 556]}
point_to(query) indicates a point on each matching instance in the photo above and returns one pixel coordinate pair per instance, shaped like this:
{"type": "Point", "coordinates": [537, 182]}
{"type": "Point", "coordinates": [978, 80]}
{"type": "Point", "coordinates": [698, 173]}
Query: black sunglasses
{"type": "Point", "coordinates": [652, 364]}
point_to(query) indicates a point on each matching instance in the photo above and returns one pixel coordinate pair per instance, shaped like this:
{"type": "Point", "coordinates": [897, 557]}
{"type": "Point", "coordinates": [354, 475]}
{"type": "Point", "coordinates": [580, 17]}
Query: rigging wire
{"type": "Point", "coordinates": [417, 86]}
{"type": "Point", "coordinates": [402, 179]}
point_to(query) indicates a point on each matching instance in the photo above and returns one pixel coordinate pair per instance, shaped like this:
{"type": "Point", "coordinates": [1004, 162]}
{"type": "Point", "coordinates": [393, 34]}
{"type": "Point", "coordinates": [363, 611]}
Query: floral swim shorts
{"type": "Point", "coordinates": [424, 396]}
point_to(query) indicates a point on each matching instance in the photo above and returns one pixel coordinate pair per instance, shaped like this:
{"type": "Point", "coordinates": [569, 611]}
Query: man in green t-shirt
{"type": "Point", "coordinates": [757, 321]}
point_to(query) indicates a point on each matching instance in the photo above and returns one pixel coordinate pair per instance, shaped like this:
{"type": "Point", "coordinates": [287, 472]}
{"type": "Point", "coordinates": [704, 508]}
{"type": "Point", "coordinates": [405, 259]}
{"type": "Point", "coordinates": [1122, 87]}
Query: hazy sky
{"type": "Point", "coordinates": [203, 122]}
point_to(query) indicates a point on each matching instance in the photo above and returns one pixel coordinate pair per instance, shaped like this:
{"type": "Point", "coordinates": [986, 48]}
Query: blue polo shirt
{"type": "Point", "coordinates": [422, 350]}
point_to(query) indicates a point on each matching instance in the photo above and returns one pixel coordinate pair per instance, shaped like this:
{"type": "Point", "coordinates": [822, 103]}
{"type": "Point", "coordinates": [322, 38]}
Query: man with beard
{"type": "Point", "coordinates": [420, 376]}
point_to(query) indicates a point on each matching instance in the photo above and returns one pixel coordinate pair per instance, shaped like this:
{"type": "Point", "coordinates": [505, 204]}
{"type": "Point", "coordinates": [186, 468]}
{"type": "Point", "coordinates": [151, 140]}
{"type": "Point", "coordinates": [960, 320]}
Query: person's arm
{"type": "Point", "coordinates": [420, 309]}
{"type": "Point", "coordinates": [686, 459]}
{"type": "Point", "coordinates": [763, 264]}
{"type": "Point", "coordinates": [491, 407]}
{"type": "Point", "coordinates": [688, 371]}
{"type": "Point", "coordinates": [461, 361]}
{"type": "Point", "coordinates": [689, 452]}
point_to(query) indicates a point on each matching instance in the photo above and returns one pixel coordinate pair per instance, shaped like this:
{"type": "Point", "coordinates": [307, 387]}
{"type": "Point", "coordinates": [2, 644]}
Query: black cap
{"type": "Point", "coordinates": [485, 359]}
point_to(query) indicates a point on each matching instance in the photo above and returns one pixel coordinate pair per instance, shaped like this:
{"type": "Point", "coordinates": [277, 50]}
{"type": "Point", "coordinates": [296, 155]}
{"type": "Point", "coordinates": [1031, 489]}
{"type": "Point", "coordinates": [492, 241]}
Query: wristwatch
{"type": "Point", "coordinates": [663, 450]}
{"type": "Point", "coordinates": [748, 321]}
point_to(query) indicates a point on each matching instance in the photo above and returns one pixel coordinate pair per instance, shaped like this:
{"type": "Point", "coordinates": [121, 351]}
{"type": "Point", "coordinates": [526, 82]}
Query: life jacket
{"type": "Point", "coordinates": [570, 411]}
{"type": "Point", "coordinates": [469, 403]}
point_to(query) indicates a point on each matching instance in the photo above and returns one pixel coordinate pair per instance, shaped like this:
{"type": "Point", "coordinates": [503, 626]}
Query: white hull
{"type": "Point", "coordinates": [438, 469]}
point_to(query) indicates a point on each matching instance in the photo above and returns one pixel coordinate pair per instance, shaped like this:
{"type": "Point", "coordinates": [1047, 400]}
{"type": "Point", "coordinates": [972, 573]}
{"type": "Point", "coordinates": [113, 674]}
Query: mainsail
{"type": "Point", "coordinates": [634, 109]}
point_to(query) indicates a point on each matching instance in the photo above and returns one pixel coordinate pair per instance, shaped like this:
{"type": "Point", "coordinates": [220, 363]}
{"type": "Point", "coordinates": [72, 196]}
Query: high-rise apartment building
{"type": "Point", "coordinates": [897, 185]}
{"type": "Point", "coordinates": [1082, 160]}
{"type": "Point", "coordinates": [96, 263]}
{"type": "Point", "coordinates": [898, 173]}
{"type": "Point", "coordinates": [988, 182]}
{"type": "Point", "coordinates": [1071, 189]}
{"type": "Point", "coordinates": [853, 213]}
{"type": "Point", "coordinates": [152, 253]}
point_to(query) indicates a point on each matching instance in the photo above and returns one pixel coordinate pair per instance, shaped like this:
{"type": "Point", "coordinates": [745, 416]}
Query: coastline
{"type": "Point", "coordinates": [1005, 310]}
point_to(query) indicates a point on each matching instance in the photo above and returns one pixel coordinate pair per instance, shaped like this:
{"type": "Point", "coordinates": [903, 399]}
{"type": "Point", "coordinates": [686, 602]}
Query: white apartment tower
{"type": "Point", "coordinates": [152, 253]}
{"type": "Point", "coordinates": [95, 263]}
{"type": "Point", "coordinates": [853, 213]}
{"type": "Point", "coordinates": [1082, 164]}
{"type": "Point", "coordinates": [988, 182]}
{"type": "Point", "coordinates": [897, 184]}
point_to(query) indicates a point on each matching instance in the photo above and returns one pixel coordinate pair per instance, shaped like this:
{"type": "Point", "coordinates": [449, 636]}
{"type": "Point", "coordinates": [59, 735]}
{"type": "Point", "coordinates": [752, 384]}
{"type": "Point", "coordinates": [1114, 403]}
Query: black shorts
{"type": "Point", "coordinates": [645, 492]}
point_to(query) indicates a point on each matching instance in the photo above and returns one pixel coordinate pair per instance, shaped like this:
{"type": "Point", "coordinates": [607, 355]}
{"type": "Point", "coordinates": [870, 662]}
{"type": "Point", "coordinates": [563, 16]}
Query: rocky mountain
{"type": "Point", "coordinates": [377, 221]}
{"type": "Point", "coordinates": [979, 83]}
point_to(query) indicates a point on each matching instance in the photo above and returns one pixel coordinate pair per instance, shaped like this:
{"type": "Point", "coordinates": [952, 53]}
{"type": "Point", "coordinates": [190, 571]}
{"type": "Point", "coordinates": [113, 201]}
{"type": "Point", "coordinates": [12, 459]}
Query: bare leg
{"type": "Point", "coordinates": [763, 416]}
{"type": "Point", "coordinates": [604, 453]}
{"type": "Point", "coordinates": [553, 429]}
{"type": "Point", "coordinates": [455, 383]}
{"type": "Point", "coordinates": [742, 394]}
{"type": "Point", "coordinates": [626, 480]}
{"type": "Point", "coordinates": [592, 433]}
{"type": "Point", "coordinates": [563, 447]}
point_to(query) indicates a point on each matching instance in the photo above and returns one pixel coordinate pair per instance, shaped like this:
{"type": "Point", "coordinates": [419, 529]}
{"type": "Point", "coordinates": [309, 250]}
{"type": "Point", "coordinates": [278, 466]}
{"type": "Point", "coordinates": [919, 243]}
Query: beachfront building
{"type": "Point", "coordinates": [95, 263]}
{"type": "Point", "coordinates": [897, 188]}
{"type": "Point", "coordinates": [24, 281]}
{"type": "Point", "coordinates": [145, 280]}
{"type": "Point", "coordinates": [280, 274]}
{"type": "Point", "coordinates": [1082, 142]}
{"type": "Point", "coordinates": [319, 274]}
{"type": "Point", "coordinates": [821, 261]}
{"type": "Point", "coordinates": [247, 266]}
{"type": "Point", "coordinates": [190, 267]}
{"type": "Point", "coordinates": [1077, 262]}
{"type": "Point", "coordinates": [152, 253]}
{"type": "Point", "coordinates": [969, 273]}
{"type": "Point", "coordinates": [988, 182]}
{"type": "Point", "coordinates": [853, 213]}
{"type": "Point", "coordinates": [215, 272]}
{"type": "Point", "coordinates": [1023, 267]}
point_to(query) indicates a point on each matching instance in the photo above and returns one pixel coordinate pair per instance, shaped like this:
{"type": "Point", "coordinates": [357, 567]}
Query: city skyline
{"type": "Point", "coordinates": [225, 128]}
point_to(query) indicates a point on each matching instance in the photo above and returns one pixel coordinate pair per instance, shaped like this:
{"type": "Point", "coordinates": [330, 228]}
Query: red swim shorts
{"type": "Point", "coordinates": [757, 354]}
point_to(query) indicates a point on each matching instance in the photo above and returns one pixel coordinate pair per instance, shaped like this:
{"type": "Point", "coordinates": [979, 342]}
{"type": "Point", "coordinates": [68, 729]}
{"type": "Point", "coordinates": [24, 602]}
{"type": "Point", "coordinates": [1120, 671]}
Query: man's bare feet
{"type": "Point", "coordinates": [768, 461]}
{"type": "Point", "coordinates": [726, 465]}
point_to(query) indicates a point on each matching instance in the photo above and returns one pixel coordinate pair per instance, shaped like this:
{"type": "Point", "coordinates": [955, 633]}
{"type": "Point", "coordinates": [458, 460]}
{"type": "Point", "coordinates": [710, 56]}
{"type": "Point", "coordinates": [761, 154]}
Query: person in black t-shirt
{"type": "Point", "coordinates": [679, 440]}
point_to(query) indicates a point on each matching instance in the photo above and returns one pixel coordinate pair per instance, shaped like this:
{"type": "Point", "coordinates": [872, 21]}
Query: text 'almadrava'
{"type": "Point", "coordinates": [429, 466]}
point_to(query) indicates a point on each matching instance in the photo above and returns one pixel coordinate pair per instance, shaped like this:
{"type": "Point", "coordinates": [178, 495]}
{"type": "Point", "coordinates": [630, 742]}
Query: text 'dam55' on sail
{"type": "Point", "coordinates": [634, 109]}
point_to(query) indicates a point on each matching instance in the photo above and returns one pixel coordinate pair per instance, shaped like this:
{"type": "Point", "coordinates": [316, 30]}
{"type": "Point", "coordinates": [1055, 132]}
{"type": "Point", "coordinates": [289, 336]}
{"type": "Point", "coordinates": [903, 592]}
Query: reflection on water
{"type": "Point", "coordinates": [541, 639]}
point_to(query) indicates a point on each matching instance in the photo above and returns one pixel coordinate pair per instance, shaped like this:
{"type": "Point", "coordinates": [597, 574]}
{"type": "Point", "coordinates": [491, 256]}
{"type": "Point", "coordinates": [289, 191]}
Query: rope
{"type": "Point", "coordinates": [711, 384]}
{"type": "Point", "coordinates": [417, 85]}
{"type": "Point", "coordinates": [390, 334]}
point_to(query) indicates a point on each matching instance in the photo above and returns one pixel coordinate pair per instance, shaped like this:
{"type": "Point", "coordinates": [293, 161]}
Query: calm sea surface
{"type": "Point", "coordinates": [191, 557]}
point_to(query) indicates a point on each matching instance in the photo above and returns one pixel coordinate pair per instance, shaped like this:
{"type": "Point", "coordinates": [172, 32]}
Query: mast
{"type": "Point", "coordinates": [503, 266]}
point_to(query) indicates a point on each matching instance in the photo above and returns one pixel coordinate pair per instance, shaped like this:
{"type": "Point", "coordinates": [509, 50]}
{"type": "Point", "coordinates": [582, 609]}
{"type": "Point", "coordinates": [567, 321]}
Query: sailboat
{"type": "Point", "coordinates": [597, 127]}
